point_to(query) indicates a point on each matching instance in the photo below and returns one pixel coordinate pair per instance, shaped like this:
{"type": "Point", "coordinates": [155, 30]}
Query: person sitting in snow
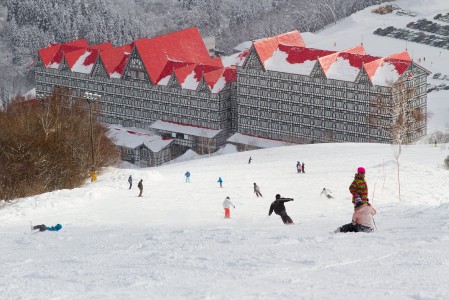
{"type": "Point", "coordinates": [362, 219]}
{"type": "Point", "coordinates": [279, 208]}
{"type": "Point", "coordinates": [327, 193]}
{"type": "Point", "coordinates": [359, 187]}
{"type": "Point", "coordinates": [227, 207]}
{"type": "Point", "coordinates": [42, 227]}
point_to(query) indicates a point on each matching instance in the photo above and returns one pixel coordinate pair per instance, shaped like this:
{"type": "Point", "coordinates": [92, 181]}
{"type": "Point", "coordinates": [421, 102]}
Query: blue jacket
{"type": "Point", "coordinates": [55, 228]}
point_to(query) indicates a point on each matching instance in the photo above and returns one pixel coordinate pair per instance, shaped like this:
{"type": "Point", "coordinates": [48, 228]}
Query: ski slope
{"type": "Point", "coordinates": [174, 243]}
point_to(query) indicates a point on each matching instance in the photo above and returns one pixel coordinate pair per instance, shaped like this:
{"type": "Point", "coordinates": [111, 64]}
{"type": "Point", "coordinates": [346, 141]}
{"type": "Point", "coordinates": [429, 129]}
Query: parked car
{"type": "Point", "coordinates": [436, 75]}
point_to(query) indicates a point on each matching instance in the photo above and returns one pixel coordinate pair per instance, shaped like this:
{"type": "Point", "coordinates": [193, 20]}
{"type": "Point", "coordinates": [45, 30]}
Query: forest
{"type": "Point", "coordinates": [28, 25]}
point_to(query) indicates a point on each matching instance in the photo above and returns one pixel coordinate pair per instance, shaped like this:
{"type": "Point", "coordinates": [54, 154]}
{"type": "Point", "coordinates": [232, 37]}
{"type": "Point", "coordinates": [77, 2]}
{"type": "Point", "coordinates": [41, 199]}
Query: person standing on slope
{"type": "Point", "coordinates": [130, 180]}
{"type": "Point", "coordinates": [220, 181]}
{"type": "Point", "coordinates": [279, 208]}
{"type": "Point", "coordinates": [187, 175]}
{"type": "Point", "coordinates": [257, 190]}
{"type": "Point", "coordinates": [362, 219]}
{"type": "Point", "coordinates": [140, 186]}
{"type": "Point", "coordinates": [298, 167]}
{"type": "Point", "coordinates": [227, 207]}
{"type": "Point", "coordinates": [359, 187]}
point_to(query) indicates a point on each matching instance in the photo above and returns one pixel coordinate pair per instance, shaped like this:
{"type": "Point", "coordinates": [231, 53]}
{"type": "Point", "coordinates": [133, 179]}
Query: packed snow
{"type": "Point", "coordinates": [173, 243]}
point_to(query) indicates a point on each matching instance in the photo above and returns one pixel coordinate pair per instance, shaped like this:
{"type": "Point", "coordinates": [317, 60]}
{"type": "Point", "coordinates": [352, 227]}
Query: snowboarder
{"type": "Point", "coordinates": [249, 160]}
{"type": "Point", "coordinates": [327, 193]}
{"type": "Point", "coordinates": [302, 167]}
{"type": "Point", "coordinates": [42, 227]}
{"type": "Point", "coordinates": [187, 174]}
{"type": "Point", "coordinates": [279, 208]}
{"type": "Point", "coordinates": [298, 167]}
{"type": "Point", "coordinates": [227, 207]}
{"type": "Point", "coordinates": [359, 187]}
{"type": "Point", "coordinates": [130, 180]}
{"type": "Point", "coordinates": [140, 186]}
{"type": "Point", "coordinates": [362, 219]}
{"type": "Point", "coordinates": [220, 181]}
{"type": "Point", "coordinates": [257, 190]}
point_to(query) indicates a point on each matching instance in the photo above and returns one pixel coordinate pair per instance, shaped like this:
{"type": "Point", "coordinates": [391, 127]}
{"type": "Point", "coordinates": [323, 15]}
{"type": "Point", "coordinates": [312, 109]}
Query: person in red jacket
{"type": "Point", "coordinates": [359, 187]}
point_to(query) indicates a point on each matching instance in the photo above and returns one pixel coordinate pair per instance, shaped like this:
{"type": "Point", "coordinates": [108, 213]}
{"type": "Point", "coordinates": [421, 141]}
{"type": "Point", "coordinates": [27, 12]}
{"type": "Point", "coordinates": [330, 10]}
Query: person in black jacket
{"type": "Point", "coordinates": [279, 208]}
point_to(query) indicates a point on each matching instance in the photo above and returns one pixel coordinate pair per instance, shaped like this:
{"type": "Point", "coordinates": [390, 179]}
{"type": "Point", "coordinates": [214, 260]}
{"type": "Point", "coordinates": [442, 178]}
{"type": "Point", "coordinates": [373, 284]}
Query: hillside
{"type": "Point", "coordinates": [173, 243]}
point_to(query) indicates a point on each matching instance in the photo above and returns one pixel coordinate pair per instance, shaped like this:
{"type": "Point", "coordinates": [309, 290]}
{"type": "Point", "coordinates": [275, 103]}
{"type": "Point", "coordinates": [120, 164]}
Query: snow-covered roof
{"type": "Point", "coordinates": [132, 137]}
{"type": "Point", "coordinates": [255, 141]}
{"type": "Point", "coordinates": [288, 53]}
{"type": "Point", "coordinates": [183, 53]}
{"type": "Point", "coordinates": [185, 129]}
{"type": "Point", "coordinates": [243, 46]}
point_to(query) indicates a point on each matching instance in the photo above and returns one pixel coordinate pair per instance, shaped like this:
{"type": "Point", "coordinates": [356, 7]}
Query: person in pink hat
{"type": "Point", "coordinates": [359, 187]}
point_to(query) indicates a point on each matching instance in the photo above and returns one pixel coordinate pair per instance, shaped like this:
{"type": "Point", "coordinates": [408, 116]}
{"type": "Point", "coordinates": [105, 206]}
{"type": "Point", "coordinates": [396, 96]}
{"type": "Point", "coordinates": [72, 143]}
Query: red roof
{"type": "Point", "coordinates": [162, 54]}
{"type": "Point", "coordinates": [53, 54]}
{"type": "Point", "coordinates": [115, 59]}
{"type": "Point", "coordinates": [266, 47]}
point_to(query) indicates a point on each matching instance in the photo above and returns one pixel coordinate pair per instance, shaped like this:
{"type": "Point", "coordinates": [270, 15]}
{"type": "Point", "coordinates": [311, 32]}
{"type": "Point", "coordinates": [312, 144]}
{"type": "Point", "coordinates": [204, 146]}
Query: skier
{"type": "Point", "coordinates": [362, 219]}
{"type": "Point", "coordinates": [257, 190]}
{"type": "Point", "coordinates": [227, 207]}
{"type": "Point", "coordinates": [302, 167]}
{"type": "Point", "coordinates": [187, 174]}
{"type": "Point", "coordinates": [359, 187]}
{"type": "Point", "coordinates": [220, 181]}
{"type": "Point", "coordinates": [326, 193]}
{"type": "Point", "coordinates": [44, 228]}
{"type": "Point", "coordinates": [130, 180]}
{"type": "Point", "coordinates": [249, 160]}
{"type": "Point", "coordinates": [140, 186]}
{"type": "Point", "coordinates": [298, 167]}
{"type": "Point", "coordinates": [279, 208]}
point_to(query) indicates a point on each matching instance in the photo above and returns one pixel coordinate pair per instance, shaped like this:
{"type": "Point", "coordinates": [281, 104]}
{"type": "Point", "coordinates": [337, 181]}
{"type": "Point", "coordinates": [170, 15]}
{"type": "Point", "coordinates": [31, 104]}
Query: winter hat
{"type": "Point", "coordinates": [58, 226]}
{"type": "Point", "coordinates": [358, 201]}
{"type": "Point", "coordinates": [278, 196]}
{"type": "Point", "coordinates": [227, 198]}
{"type": "Point", "coordinates": [360, 170]}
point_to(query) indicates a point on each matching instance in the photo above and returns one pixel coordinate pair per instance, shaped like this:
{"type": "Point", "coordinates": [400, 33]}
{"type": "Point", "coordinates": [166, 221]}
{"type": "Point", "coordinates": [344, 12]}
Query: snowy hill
{"type": "Point", "coordinates": [173, 243]}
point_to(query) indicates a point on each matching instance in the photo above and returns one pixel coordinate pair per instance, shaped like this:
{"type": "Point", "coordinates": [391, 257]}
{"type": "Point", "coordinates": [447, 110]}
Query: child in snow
{"type": "Point", "coordinates": [257, 190]}
{"type": "Point", "coordinates": [187, 174]}
{"type": "Point", "coordinates": [140, 186]}
{"type": "Point", "coordinates": [42, 227]}
{"type": "Point", "coordinates": [362, 219]}
{"type": "Point", "coordinates": [279, 208]}
{"type": "Point", "coordinates": [302, 167]}
{"type": "Point", "coordinates": [220, 181]}
{"type": "Point", "coordinates": [359, 187]}
{"type": "Point", "coordinates": [298, 167]}
{"type": "Point", "coordinates": [249, 160]}
{"type": "Point", "coordinates": [130, 180]}
{"type": "Point", "coordinates": [326, 193]}
{"type": "Point", "coordinates": [227, 207]}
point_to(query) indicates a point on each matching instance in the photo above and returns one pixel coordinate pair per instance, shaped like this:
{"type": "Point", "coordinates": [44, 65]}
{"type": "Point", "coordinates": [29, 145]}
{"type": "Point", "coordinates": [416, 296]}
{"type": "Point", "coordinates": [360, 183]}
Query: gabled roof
{"type": "Point", "coordinates": [287, 53]}
{"type": "Point", "coordinates": [52, 55]}
{"type": "Point", "coordinates": [135, 137]}
{"type": "Point", "coordinates": [266, 47]}
{"type": "Point", "coordinates": [160, 55]}
{"type": "Point", "coordinates": [115, 60]}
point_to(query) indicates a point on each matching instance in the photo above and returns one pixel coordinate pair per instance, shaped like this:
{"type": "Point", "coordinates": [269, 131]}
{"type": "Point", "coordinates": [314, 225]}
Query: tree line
{"type": "Point", "coordinates": [28, 25]}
